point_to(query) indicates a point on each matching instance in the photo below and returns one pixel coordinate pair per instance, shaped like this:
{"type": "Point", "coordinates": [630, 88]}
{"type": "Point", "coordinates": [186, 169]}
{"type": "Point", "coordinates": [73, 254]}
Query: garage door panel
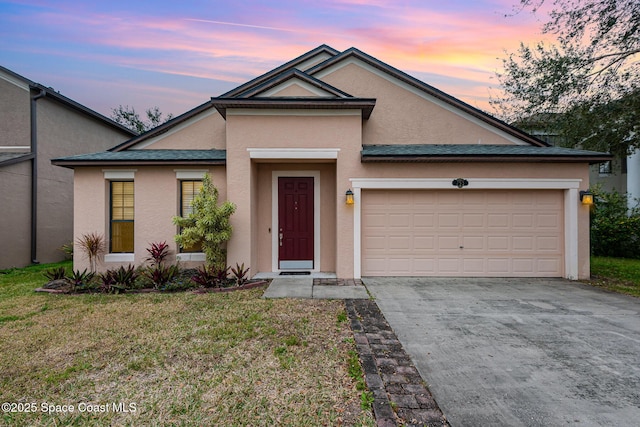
{"type": "Point", "coordinates": [400, 242]}
{"type": "Point", "coordinates": [423, 242]}
{"type": "Point", "coordinates": [421, 220]}
{"type": "Point", "coordinates": [473, 220]}
{"type": "Point", "coordinates": [547, 221]}
{"type": "Point", "coordinates": [497, 220]}
{"type": "Point", "coordinates": [547, 243]}
{"type": "Point", "coordinates": [463, 233]}
{"type": "Point", "coordinates": [474, 265]}
{"type": "Point", "coordinates": [448, 243]}
{"type": "Point", "coordinates": [474, 243]}
{"type": "Point", "coordinates": [498, 243]}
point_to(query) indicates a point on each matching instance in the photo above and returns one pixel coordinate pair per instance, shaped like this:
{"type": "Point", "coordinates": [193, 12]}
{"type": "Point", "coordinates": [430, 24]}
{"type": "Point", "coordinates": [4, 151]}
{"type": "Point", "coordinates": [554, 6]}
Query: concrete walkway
{"type": "Point", "coordinates": [304, 287]}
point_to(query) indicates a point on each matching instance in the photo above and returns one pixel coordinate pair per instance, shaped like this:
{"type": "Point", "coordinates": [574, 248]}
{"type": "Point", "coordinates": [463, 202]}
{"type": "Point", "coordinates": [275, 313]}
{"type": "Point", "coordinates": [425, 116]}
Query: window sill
{"type": "Point", "coordinates": [119, 258]}
{"type": "Point", "coordinates": [191, 256]}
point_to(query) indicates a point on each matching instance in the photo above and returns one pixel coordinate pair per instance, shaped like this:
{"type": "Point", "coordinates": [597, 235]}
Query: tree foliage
{"type": "Point", "coordinates": [615, 229]}
{"type": "Point", "coordinates": [588, 80]}
{"type": "Point", "coordinates": [208, 223]}
{"type": "Point", "coordinates": [129, 118]}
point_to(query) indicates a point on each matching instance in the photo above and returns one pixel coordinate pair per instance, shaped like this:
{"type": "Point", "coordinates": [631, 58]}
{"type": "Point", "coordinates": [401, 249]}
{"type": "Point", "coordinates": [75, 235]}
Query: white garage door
{"type": "Point", "coordinates": [507, 233]}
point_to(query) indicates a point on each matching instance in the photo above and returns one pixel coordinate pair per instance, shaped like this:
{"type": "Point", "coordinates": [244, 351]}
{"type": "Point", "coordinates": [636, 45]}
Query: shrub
{"type": "Point", "coordinates": [208, 223]}
{"type": "Point", "coordinates": [58, 273]}
{"type": "Point", "coordinates": [211, 276]}
{"type": "Point", "coordinates": [160, 275]}
{"type": "Point", "coordinates": [117, 281]}
{"type": "Point", "coordinates": [158, 253]}
{"type": "Point", "coordinates": [615, 229]}
{"type": "Point", "coordinates": [81, 281]}
{"type": "Point", "coordinates": [240, 274]}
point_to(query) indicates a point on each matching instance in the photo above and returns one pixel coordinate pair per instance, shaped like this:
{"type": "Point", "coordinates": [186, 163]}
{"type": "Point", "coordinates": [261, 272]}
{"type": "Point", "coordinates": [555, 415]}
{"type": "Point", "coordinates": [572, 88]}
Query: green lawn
{"type": "Point", "coordinates": [173, 359]}
{"type": "Point", "coordinates": [616, 274]}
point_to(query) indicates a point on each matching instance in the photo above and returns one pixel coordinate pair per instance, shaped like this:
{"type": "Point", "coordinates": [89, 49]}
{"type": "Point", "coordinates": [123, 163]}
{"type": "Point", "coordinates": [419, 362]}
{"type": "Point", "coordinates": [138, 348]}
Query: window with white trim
{"type": "Point", "coordinates": [188, 190]}
{"type": "Point", "coordinates": [121, 216]}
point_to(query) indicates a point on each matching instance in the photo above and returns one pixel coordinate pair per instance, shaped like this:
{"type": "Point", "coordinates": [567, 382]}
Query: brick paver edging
{"type": "Point", "coordinates": [400, 395]}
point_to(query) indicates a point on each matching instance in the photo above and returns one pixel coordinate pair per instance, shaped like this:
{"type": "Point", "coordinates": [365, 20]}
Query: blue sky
{"type": "Point", "coordinates": [176, 55]}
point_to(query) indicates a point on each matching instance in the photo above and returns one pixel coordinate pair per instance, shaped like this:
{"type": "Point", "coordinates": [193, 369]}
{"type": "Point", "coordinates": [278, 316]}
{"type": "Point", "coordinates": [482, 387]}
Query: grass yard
{"type": "Point", "coordinates": [172, 359]}
{"type": "Point", "coordinates": [616, 274]}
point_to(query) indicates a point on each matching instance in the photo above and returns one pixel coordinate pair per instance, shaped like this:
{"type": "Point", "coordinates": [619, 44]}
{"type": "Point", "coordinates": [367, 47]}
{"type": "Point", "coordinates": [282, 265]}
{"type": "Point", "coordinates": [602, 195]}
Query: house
{"type": "Point", "coordinates": [36, 198]}
{"type": "Point", "coordinates": [439, 187]}
{"type": "Point", "coordinates": [621, 173]}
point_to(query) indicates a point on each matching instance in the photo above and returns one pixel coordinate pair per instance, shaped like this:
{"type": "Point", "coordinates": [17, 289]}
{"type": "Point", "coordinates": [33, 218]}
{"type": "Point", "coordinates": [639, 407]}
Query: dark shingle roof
{"type": "Point", "coordinates": [476, 152]}
{"type": "Point", "coordinates": [145, 157]}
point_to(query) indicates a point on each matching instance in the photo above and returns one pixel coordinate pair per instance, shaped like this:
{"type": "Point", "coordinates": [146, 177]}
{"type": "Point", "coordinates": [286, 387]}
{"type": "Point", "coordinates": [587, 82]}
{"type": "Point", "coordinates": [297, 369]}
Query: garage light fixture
{"type": "Point", "coordinates": [586, 197]}
{"type": "Point", "coordinates": [349, 195]}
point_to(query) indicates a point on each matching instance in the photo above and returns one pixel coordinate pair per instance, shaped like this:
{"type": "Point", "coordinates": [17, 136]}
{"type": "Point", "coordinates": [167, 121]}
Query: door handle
{"type": "Point", "coordinates": [280, 238]}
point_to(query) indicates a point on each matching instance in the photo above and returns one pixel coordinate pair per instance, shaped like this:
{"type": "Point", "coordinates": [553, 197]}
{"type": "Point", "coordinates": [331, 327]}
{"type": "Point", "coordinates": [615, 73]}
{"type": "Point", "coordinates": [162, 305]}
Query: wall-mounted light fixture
{"type": "Point", "coordinates": [349, 195]}
{"type": "Point", "coordinates": [586, 197]}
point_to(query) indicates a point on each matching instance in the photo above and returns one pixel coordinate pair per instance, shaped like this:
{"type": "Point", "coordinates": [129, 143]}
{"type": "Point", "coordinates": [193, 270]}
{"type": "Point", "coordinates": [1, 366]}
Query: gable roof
{"type": "Point", "coordinates": [426, 88]}
{"type": "Point", "coordinates": [290, 75]}
{"type": "Point", "coordinates": [294, 63]}
{"type": "Point", "coordinates": [163, 128]}
{"type": "Point", "coordinates": [70, 103]}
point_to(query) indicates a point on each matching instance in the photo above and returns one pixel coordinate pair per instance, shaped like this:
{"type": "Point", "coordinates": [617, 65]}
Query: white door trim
{"type": "Point", "coordinates": [571, 187]}
{"type": "Point", "coordinates": [274, 215]}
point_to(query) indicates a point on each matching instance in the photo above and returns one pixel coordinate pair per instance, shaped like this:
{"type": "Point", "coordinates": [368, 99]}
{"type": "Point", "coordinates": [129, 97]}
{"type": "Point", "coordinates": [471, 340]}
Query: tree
{"type": "Point", "coordinates": [208, 224]}
{"type": "Point", "coordinates": [129, 118]}
{"type": "Point", "coordinates": [588, 80]}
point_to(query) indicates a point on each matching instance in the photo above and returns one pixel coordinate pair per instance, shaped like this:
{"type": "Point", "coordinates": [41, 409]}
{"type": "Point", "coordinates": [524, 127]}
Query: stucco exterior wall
{"type": "Point", "coordinates": [63, 132]}
{"type": "Point", "coordinates": [202, 132]}
{"type": "Point", "coordinates": [290, 129]}
{"type": "Point", "coordinates": [403, 117]}
{"type": "Point", "coordinates": [14, 110]}
{"type": "Point", "coordinates": [15, 211]}
{"type": "Point", "coordinates": [157, 200]}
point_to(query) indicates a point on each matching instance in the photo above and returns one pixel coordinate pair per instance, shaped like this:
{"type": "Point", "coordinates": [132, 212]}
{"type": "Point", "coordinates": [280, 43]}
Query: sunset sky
{"type": "Point", "coordinates": [177, 54]}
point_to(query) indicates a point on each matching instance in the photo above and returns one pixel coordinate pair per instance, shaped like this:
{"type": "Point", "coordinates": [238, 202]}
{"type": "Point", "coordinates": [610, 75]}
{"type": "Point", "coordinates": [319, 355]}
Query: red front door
{"type": "Point", "coordinates": [295, 222]}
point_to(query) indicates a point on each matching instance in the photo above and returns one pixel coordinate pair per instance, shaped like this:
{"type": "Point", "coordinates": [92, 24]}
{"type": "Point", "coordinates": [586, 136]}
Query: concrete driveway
{"type": "Point", "coordinates": [519, 352]}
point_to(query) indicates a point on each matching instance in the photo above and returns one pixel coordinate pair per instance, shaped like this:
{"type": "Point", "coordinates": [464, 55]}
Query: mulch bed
{"type": "Point", "coordinates": [249, 285]}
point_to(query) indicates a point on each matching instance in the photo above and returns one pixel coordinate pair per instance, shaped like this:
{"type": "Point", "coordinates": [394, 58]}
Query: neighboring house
{"type": "Point", "coordinates": [36, 198]}
{"type": "Point", "coordinates": [440, 188]}
{"type": "Point", "coordinates": [620, 173]}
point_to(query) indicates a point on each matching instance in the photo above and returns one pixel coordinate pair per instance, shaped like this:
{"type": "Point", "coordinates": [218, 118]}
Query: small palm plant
{"type": "Point", "coordinates": [93, 246]}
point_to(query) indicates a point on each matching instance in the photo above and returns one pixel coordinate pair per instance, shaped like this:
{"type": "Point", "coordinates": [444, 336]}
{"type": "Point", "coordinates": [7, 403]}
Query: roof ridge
{"type": "Point", "coordinates": [289, 74]}
{"type": "Point", "coordinates": [286, 66]}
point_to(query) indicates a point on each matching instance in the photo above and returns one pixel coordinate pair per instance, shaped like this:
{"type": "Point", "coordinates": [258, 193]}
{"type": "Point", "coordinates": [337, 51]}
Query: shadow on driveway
{"type": "Point", "coordinates": [519, 352]}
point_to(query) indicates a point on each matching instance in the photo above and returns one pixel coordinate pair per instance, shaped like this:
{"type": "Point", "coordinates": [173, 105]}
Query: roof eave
{"type": "Point", "coordinates": [71, 164]}
{"type": "Point", "coordinates": [366, 105]}
{"type": "Point", "coordinates": [13, 161]}
{"type": "Point", "coordinates": [484, 159]}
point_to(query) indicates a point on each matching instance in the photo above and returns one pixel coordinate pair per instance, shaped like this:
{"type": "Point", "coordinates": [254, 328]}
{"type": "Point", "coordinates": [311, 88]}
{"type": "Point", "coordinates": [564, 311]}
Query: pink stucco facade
{"type": "Point", "coordinates": [292, 125]}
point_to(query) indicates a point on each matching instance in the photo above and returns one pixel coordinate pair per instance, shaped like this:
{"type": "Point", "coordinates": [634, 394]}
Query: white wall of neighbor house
{"type": "Point", "coordinates": [633, 179]}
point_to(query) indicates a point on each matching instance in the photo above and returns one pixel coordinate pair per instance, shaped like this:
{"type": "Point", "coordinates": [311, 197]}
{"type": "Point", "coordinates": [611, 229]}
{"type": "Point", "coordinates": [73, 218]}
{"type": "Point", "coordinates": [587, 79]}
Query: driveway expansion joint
{"type": "Point", "coordinates": [400, 395]}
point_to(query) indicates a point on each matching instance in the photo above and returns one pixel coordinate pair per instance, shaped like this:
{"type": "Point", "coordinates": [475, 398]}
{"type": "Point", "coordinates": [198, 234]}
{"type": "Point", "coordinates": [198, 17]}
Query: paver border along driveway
{"type": "Point", "coordinates": [519, 352]}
